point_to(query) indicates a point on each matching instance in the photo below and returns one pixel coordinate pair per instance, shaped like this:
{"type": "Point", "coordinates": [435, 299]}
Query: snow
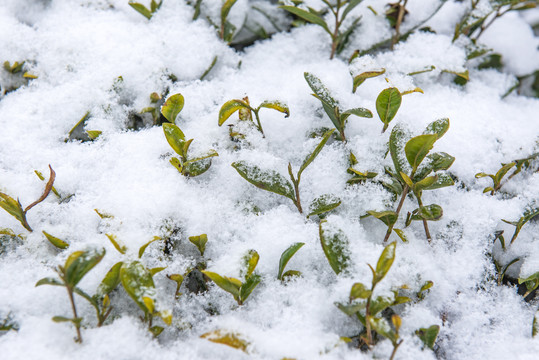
{"type": "Point", "coordinates": [78, 49]}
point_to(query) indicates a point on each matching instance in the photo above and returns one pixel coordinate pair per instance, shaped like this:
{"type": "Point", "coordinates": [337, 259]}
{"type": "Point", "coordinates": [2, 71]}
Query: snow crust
{"type": "Point", "coordinates": [78, 48]}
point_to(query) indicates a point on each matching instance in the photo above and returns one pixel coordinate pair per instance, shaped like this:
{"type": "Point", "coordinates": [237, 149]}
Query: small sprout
{"type": "Point", "coordinates": [425, 289]}
{"type": "Point", "coordinates": [340, 10]}
{"type": "Point", "coordinates": [59, 243]}
{"type": "Point", "coordinates": [502, 270]}
{"type": "Point", "coordinates": [360, 79]}
{"type": "Point", "coordinates": [285, 258]}
{"type": "Point", "coordinates": [178, 279]}
{"type": "Point", "coordinates": [272, 181]}
{"type": "Point", "coordinates": [228, 338]}
{"type": "Point", "coordinates": [185, 164]}
{"type": "Point", "coordinates": [226, 29]}
{"type": "Point", "coordinates": [239, 290]}
{"type": "Point", "coordinates": [77, 265]}
{"type": "Point", "coordinates": [143, 10]}
{"type": "Point", "coordinates": [338, 117]}
{"type": "Point", "coordinates": [245, 111]}
{"type": "Point", "coordinates": [14, 207]}
{"type": "Point", "coordinates": [428, 335]}
{"type": "Point", "coordinates": [529, 214]}
{"type": "Point", "coordinates": [335, 246]}
{"type": "Point", "coordinates": [200, 242]}
{"type": "Point", "coordinates": [78, 133]}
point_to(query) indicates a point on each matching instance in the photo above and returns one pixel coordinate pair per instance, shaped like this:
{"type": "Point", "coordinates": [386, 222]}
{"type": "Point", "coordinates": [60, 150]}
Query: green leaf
{"type": "Point", "coordinates": [351, 5]}
{"type": "Point", "coordinates": [59, 243]}
{"type": "Point", "coordinates": [250, 260]}
{"type": "Point", "coordinates": [172, 107]}
{"type": "Point", "coordinates": [359, 291]}
{"type": "Point", "coordinates": [438, 127]}
{"type": "Point", "coordinates": [308, 16]}
{"type": "Point", "coordinates": [360, 79]}
{"type": "Point", "coordinates": [330, 105]}
{"type": "Point", "coordinates": [387, 217]}
{"type": "Point", "coordinates": [351, 309]}
{"type": "Point", "coordinates": [156, 330]}
{"type": "Point", "coordinates": [435, 162]}
{"type": "Point", "coordinates": [380, 303]}
{"type": "Point", "coordinates": [424, 288]}
{"type": "Point", "coordinates": [387, 105]}
{"type": "Point", "coordinates": [156, 270]}
{"type": "Point", "coordinates": [531, 282]}
{"type": "Point", "coordinates": [228, 338]}
{"type": "Point", "coordinates": [382, 327]}
{"type": "Point", "coordinates": [310, 158]}
{"type": "Point", "coordinates": [323, 204]}
{"type": "Point", "coordinates": [110, 281]}
{"type": "Point", "coordinates": [225, 9]}
{"type": "Point", "coordinates": [268, 180]}
{"type": "Point", "coordinates": [13, 207]}
{"type": "Point", "coordinates": [444, 180]}
{"type": "Point", "coordinates": [197, 168]}
{"type": "Point", "coordinates": [286, 256]}
{"type": "Point", "coordinates": [93, 134]}
{"type": "Point", "coordinates": [79, 263]}
{"type": "Point", "coordinates": [118, 245]}
{"type": "Point", "coordinates": [385, 261]}
{"type": "Point", "coordinates": [276, 105]}
{"type": "Point", "coordinates": [401, 235]}
{"type": "Point", "coordinates": [396, 149]}
{"type": "Point", "coordinates": [60, 319]}
{"type": "Point", "coordinates": [335, 246]}
{"type": "Point", "coordinates": [535, 324]}
{"type": "Point", "coordinates": [209, 154]}
{"type": "Point", "coordinates": [248, 286]}
{"type": "Point", "coordinates": [502, 172]}
{"type": "Point", "coordinates": [229, 285]}
{"type": "Point", "coordinates": [138, 284]}
{"type": "Point", "coordinates": [431, 212]}
{"type": "Point", "coordinates": [361, 112]}
{"type": "Point", "coordinates": [424, 184]}
{"type": "Point", "coordinates": [428, 335]}
{"type": "Point", "coordinates": [289, 274]}
{"type": "Point", "coordinates": [143, 247]}
{"type": "Point", "coordinates": [50, 281]}
{"type": "Point", "coordinates": [141, 9]}
{"type": "Point", "coordinates": [175, 138]}
{"type": "Point", "coordinates": [417, 148]}
{"type": "Point", "coordinates": [229, 108]}
{"type": "Point", "coordinates": [200, 242]}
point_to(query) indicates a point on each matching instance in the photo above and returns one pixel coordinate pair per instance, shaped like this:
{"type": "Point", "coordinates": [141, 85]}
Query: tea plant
{"type": "Point", "coordinates": [156, 101]}
{"type": "Point", "coordinates": [416, 150]}
{"type": "Point", "coordinates": [272, 181]}
{"type": "Point", "coordinates": [185, 164]}
{"type": "Point", "coordinates": [143, 10]}
{"type": "Point", "coordinates": [14, 207]}
{"type": "Point", "coordinates": [245, 111]}
{"type": "Point", "coordinates": [285, 258]}
{"type": "Point", "coordinates": [77, 265]}
{"type": "Point", "coordinates": [225, 29]}
{"type": "Point", "coordinates": [79, 133]}
{"type": "Point", "coordinates": [239, 289]}
{"type": "Point", "coordinates": [367, 308]}
{"type": "Point", "coordinates": [531, 282]}
{"type": "Point", "coordinates": [498, 178]}
{"type": "Point", "coordinates": [529, 214]}
{"type": "Point", "coordinates": [358, 176]}
{"type": "Point", "coordinates": [340, 10]}
{"type": "Point", "coordinates": [332, 107]}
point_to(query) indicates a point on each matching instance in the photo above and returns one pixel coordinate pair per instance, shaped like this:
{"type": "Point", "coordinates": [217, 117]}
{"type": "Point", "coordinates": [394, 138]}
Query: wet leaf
{"type": "Point", "coordinates": [248, 286]}
{"type": "Point", "coordinates": [438, 127]}
{"type": "Point", "coordinates": [308, 16]}
{"type": "Point", "coordinates": [286, 256]}
{"type": "Point", "coordinates": [360, 112]}
{"type": "Point", "coordinates": [335, 246]}
{"type": "Point", "coordinates": [59, 243]}
{"type": "Point", "coordinates": [323, 204]}
{"type": "Point", "coordinates": [351, 309]}
{"type": "Point", "coordinates": [380, 303]}
{"type": "Point", "coordinates": [396, 148]}
{"type": "Point", "coordinates": [50, 281]}
{"type": "Point", "coordinates": [141, 9]}
{"type": "Point", "coordinates": [250, 260]}
{"type": "Point", "coordinates": [172, 107]}
{"type": "Point", "coordinates": [268, 180]}
{"type": "Point", "coordinates": [431, 212]}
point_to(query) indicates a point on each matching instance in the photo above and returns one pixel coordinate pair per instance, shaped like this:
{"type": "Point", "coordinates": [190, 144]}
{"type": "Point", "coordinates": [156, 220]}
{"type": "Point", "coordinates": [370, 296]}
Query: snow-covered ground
{"type": "Point", "coordinates": [79, 48]}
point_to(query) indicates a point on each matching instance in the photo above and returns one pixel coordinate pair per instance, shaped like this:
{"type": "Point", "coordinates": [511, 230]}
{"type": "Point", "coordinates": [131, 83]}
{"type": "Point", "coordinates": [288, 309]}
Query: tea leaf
{"type": "Point", "coordinates": [360, 79]}
{"type": "Point", "coordinates": [229, 285]}
{"type": "Point", "coordinates": [13, 207]}
{"type": "Point", "coordinates": [361, 112]}
{"type": "Point", "coordinates": [428, 335]}
{"type": "Point", "coordinates": [79, 263]}
{"type": "Point", "coordinates": [141, 9]}
{"type": "Point", "coordinates": [387, 217]}
{"type": "Point", "coordinates": [444, 180]}
{"type": "Point", "coordinates": [110, 281]}
{"type": "Point", "coordinates": [308, 16]}
{"type": "Point", "coordinates": [138, 284]}
{"type": "Point", "coordinates": [156, 270]}
{"type": "Point", "coordinates": [323, 204]}
{"type": "Point", "coordinates": [380, 303]}
{"type": "Point", "coordinates": [250, 260]}
{"type": "Point", "coordinates": [351, 309]}
{"type": "Point", "coordinates": [143, 247]}
{"type": "Point", "coordinates": [401, 235]}
{"type": "Point", "coordinates": [200, 242]}
{"type": "Point", "coordinates": [438, 127]}
{"type": "Point", "coordinates": [531, 282]}
{"type": "Point", "coordinates": [417, 148]}
{"type": "Point", "coordinates": [431, 212]}
{"type": "Point", "coordinates": [156, 330]}
{"type": "Point", "coordinates": [359, 291]}
{"type": "Point", "coordinates": [118, 245]}
{"type": "Point", "coordinates": [248, 286]}
{"type": "Point", "coordinates": [207, 155]}
{"type": "Point", "coordinates": [330, 105]}
{"type": "Point", "coordinates": [50, 281]}
{"type": "Point", "coordinates": [59, 243]}
{"type": "Point", "coordinates": [396, 148]}
{"type": "Point", "coordinates": [385, 261]}
{"type": "Point", "coordinates": [310, 158]}
{"type": "Point", "coordinates": [175, 138]}
{"type": "Point", "coordinates": [229, 108]}
{"type": "Point", "coordinates": [535, 324]}
{"type": "Point", "coordinates": [286, 256]}
{"type": "Point", "coordinates": [387, 105]}
{"type": "Point", "coordinates": [172, 107]}
{"type": "Point", "coordinates": [382, 327]}
{"type": "Point", "coordinates": [268, 180]}
{"type": "Point", "coordinates": [426, 286]}
{"type": "Point", "coordinates": [227, 338]}
{"type": "Point", "coordinates": [276, 105]}
{"type": "Point", "coordinates": [425, 183]}
{"type": "Point", "coordinates": [59, 319]}
{"type": "Point", "coordinates": [335, 246]}
{"type": "Point", "coordinates": [225, 9]}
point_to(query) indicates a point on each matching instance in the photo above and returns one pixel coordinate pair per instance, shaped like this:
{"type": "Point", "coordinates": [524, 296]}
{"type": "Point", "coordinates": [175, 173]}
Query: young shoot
{"type": "Point", "coordinates": [285, 258]}
{"type": "Point", "coordinates": [77, 265]}
{"type": "Point", "coordinates": [332, 107]}
{"type": "Point", "coordinates": [340, 10]}
{"type": "Point", "coordinates": [143, 10]}
{"type": "Point", "coordinates": [529, 214]}
{"type": "Point", "coordinates": [272, 181]}
{"type": "Point", "coordinates": [240, 289]}
{"type": "Point", "coordinates": [14, 207]}
{"type": "Point", "coordinates": [368, 309]}
{"type": "Point", "coordinates": [245, 111]}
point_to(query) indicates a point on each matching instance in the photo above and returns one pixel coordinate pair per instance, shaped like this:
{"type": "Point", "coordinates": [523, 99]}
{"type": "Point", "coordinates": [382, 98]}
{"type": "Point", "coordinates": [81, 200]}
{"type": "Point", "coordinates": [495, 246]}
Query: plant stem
{"type": "Point", "coordinates": [497, 15]}
{"type": "Point", "coordinates": [75, 316]}
{"type": "Point", "coordinates": [298, 201]}
{"type": "Point", "coordinates": [425, 225]}
{"type": "Point", "coordinates": [335, 36]}
{"type": "Point", "coordinates": [399, 207]}
{"type": "Point", "coordinates": [395, 347]}
{"type": "Point", "coordinates": [400, 16]}
{"type": "Point", "coordinates": [259, 124]}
